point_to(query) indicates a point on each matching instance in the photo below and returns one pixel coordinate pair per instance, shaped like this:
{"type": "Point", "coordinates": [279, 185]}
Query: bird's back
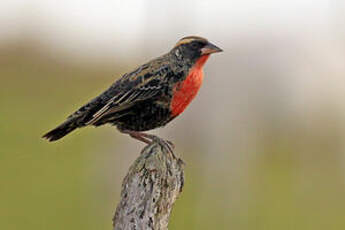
{"type": "Point", "coordinates": [147, 78]}
{"type": "Point", "coordinates": [146, 82]}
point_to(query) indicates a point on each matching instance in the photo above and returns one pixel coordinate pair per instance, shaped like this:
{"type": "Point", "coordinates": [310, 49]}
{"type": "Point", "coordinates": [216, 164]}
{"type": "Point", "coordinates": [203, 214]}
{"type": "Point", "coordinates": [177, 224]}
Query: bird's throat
{"type": "Point", "coordinates": [185, 91]}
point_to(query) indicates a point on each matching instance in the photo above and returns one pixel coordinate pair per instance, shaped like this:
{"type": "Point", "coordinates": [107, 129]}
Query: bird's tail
{"type": "Point", "coordinates": [61, 131]}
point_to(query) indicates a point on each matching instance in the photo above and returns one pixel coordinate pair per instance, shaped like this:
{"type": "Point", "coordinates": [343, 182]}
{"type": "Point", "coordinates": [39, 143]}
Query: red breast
{"type": "Point", "coordinates": [184, 92]}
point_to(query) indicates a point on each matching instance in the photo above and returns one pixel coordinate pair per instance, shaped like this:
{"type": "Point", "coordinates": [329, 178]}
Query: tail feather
{"type": "Point", "coordinates": [61, 131]}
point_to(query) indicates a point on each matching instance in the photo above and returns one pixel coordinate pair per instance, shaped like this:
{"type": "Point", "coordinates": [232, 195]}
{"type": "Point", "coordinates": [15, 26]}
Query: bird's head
{"type": "Point", "coordinates": [193, 47]}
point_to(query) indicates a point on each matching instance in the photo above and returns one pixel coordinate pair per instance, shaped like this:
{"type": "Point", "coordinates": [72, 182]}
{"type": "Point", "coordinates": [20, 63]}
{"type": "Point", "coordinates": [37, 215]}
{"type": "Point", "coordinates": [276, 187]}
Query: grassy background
{"type": "Point", "coordinates": [292, 178]}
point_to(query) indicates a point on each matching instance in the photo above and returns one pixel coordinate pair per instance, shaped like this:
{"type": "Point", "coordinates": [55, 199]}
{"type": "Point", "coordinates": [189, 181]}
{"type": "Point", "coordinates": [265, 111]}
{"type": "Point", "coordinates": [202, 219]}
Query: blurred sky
{"type": "Point", "coordinates": [88, 25]}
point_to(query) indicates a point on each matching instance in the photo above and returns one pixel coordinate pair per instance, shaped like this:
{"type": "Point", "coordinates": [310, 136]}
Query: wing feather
{"type": "Point", "coordinates": [143, 90]}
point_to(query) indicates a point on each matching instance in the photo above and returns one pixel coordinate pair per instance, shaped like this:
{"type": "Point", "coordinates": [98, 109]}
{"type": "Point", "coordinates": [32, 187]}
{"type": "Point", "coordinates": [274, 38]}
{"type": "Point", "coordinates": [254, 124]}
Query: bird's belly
{"type": "Point", "coordinates": [184, 92]}
{"type": "Point", "coordinates": [144, 116]}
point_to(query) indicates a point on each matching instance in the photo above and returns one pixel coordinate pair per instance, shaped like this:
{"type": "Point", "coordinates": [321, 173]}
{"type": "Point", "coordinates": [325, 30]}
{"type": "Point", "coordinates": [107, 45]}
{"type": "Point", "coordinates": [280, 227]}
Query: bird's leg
{"type": "Point", "coordinates": [153, 137]}
{"type": "Point", "coordinates": [148, 138]}
{"type": "Point", "coordinates": [137, 135]}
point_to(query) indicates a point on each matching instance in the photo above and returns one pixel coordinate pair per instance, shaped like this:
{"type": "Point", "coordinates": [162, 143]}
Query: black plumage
{"type": "Point", "coordinates": [139, 100]}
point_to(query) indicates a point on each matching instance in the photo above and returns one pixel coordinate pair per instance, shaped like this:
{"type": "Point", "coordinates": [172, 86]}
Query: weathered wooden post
{"type": "Point", "coordinates": [150, 189]}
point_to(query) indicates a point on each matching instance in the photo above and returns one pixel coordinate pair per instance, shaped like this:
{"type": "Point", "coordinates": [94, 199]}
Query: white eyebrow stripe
{"type": "Point", "coordinates": [188, 40]}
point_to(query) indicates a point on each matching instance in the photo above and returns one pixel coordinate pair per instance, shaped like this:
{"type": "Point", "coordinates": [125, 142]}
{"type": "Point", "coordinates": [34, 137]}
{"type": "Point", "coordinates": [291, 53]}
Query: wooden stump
{"type": "Point", "coordinates": [150, 189]}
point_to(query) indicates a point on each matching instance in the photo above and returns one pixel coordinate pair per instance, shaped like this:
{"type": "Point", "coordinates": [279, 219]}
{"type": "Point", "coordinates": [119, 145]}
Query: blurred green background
{"type": "Point", "coordinates": [263, 141]}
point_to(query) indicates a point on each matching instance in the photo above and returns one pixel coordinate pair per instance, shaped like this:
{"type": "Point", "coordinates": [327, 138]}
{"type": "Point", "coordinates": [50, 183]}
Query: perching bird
{"type": "Point", "coordinates": [150, 96]}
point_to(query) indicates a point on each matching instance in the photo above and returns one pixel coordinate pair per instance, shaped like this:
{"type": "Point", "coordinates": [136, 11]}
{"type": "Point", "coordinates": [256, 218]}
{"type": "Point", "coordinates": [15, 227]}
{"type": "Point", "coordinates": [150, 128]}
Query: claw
{"type": "Point", "coordinates": [171, 144]}
{"type": "Point", "coordinates": [168, 145]}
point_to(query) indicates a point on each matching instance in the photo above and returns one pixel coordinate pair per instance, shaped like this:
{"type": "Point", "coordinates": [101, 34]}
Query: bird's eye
{"type": "Point", "coordinates": [195, 45]}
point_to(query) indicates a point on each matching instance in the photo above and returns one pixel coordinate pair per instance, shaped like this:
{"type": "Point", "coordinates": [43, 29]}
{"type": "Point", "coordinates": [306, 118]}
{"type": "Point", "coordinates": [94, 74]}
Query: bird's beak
{"type": "Point", "coordinates": [210, 48]}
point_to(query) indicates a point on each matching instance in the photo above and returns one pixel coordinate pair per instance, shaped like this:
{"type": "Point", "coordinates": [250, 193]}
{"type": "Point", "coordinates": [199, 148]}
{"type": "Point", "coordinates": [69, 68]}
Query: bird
{"type": "Point", "coordinates": [149, 97]}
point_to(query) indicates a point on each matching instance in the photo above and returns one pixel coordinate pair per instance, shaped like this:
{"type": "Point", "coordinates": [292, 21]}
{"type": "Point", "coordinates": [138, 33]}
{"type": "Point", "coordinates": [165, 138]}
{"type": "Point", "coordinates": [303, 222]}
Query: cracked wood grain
{"type": "Point", "coordinates": [149, 190]}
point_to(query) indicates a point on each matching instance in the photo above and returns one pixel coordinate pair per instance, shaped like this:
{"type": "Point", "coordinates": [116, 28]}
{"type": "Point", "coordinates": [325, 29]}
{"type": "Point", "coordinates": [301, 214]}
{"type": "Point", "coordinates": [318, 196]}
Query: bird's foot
{"type": "Point", "coordinates": [149, 138]}
{"type": "Point", "coordinates": [164, 143]}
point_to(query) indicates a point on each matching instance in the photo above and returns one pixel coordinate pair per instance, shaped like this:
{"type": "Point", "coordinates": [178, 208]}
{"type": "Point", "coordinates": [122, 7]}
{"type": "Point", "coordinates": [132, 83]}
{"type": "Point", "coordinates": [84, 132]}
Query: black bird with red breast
{"type": "Point", "coordinates": [148, 97]}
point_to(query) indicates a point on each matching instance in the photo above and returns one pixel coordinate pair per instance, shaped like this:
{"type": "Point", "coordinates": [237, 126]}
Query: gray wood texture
{"type": "Point", "coordinates": [150, 189]}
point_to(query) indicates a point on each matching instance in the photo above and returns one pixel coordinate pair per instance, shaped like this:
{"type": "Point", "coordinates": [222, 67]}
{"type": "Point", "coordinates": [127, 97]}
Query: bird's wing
{"type": "Point", "coordinates": [137, 86]}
